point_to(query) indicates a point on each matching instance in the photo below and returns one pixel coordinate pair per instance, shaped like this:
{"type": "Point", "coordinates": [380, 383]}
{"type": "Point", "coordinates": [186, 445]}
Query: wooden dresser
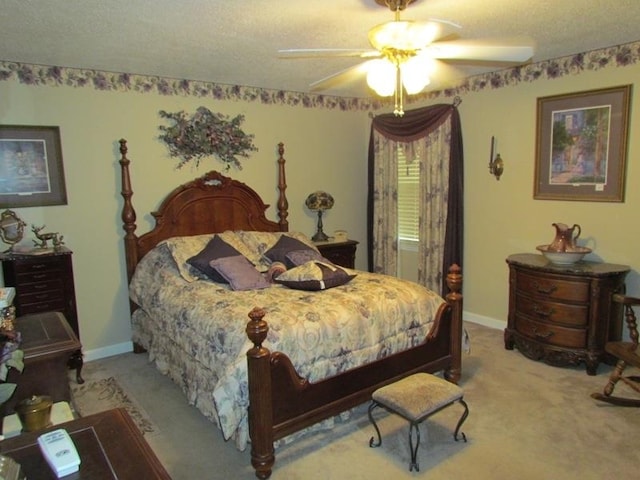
{"type": "Point", "coordinates": [563, 314]}
{"type": "Point", "coordinates": [44, 283]}
{"type": "Point", "coordinates": [340, 253]}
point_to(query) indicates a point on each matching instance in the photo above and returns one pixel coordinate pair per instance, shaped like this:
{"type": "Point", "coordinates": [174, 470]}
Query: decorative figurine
{"type": "Point", "coordinates": [11, 229]}
{"type": "Point", "coordinates": [45, 237]}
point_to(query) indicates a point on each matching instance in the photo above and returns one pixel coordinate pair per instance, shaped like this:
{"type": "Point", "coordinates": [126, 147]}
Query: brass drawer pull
{"type": "Point", "coordinates": [543, 313]}
{"type": "Point", "coordinates": [541, 335]}
{"type": "Point", "coordinates": [546, 290]}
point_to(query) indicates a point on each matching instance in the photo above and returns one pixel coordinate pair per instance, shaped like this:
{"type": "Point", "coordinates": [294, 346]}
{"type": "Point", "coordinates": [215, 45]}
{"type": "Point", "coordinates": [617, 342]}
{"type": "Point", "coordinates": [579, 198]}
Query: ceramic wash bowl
{"type": "Point", "coordinates": [564, 258]}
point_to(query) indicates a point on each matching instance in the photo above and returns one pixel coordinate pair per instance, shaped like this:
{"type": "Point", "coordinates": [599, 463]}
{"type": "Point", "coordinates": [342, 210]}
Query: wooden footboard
{"type": "Point", "coordinates": [281, 402]}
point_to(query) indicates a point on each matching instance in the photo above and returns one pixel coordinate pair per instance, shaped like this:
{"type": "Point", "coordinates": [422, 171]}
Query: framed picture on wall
{"type": "Point", "coordinates": [31, 169]}
{"type": "Point", "coordinates": [581, 145]}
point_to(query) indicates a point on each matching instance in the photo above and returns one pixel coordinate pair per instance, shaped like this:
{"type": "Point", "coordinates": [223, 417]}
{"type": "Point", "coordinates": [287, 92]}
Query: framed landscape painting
{"type": "Point", "coordinates": [581, 145]}
{"type": "Point", "coordinates": [31, 169]}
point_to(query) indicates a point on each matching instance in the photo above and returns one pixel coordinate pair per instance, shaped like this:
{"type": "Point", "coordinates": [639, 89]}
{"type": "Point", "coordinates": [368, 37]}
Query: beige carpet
{"type": "Point", "coordinates": [100, 394]}
{"type": "Point", "coordinates": [527, 420]}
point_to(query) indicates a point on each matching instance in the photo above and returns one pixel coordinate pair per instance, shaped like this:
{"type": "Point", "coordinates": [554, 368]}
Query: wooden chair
{"type": "Point", "coordinates": [627, 354]}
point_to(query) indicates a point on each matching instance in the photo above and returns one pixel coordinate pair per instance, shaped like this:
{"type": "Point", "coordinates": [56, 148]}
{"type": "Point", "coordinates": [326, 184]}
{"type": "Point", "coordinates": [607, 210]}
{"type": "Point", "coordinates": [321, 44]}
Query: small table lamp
{"type": "Point", "coordinates": [319, 201]}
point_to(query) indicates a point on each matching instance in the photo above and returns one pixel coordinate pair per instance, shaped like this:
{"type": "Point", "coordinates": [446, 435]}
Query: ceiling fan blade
{"type": "Point", "coordinates": [478, 50]}
{"type": "Point", "coordinates": [340, 78]}
{"type": "Point", "coordinates": [328, 52]}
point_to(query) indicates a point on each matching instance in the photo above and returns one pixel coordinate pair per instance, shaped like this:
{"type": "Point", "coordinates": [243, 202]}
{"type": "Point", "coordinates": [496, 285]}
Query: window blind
{"type": "Point", "coordinates": [408, 195]}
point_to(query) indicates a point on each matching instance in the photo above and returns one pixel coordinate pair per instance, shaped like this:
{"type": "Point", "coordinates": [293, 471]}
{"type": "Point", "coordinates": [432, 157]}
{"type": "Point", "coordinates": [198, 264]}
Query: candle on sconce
{"type": "Point", "coordinates": [493, 140]}
{"type": "Point", "coordinates": [496, 165]}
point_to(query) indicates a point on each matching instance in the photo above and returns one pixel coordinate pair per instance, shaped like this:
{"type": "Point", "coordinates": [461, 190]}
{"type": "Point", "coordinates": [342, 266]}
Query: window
{"type": "Point", "coordinates": [408, 196]}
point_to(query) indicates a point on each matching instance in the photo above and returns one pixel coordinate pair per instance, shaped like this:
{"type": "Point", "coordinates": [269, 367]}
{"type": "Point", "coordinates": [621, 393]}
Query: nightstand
{"type": "Point", "coordinates": [340, 253]}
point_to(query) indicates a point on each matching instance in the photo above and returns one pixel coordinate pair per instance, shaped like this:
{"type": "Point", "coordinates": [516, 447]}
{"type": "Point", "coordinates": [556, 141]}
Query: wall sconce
{"type": "Point", "coordinates": [496, 164]}
{"type": "Point", "coordinates": [319, 201]}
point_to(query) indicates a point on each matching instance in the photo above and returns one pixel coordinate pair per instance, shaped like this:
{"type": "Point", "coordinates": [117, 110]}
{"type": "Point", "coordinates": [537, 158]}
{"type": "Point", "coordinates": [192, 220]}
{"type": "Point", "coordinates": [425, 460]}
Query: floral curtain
{"type": "Point", "coordinates": [432, 136]}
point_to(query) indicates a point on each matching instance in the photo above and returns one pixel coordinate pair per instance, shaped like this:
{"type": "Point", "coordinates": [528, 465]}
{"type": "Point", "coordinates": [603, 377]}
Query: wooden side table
{"type": "Point", "coordinates": [563, 314]}
{"type": "Point", "coordinates": [44, 283]}
{"type": "Point", "coordinates": [109, 444]}
{"type": "Point", "coordinates": [47, 343]}
{"type": "Point", "coordinates": [340, 253]}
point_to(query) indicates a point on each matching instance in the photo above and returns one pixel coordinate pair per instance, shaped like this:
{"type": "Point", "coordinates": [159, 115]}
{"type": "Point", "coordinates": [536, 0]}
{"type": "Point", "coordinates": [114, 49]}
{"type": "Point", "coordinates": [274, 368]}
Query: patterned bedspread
{"type": "Point", "coordinates": [200, 325]}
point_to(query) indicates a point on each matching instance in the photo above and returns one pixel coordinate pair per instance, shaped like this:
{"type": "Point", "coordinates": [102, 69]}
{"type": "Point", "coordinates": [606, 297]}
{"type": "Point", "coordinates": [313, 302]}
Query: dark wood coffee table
{"type": "Point", "coordinates": [109, 444]}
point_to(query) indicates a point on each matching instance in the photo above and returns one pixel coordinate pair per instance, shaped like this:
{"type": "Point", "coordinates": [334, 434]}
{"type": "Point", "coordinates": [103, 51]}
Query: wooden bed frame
{"type": "Point", "coordinates": [281, 402]}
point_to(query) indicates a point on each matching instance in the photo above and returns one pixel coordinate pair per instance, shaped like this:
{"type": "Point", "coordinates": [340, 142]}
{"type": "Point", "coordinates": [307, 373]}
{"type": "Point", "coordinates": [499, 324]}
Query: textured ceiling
{"type": "Point", "coordinates": [236, 42]}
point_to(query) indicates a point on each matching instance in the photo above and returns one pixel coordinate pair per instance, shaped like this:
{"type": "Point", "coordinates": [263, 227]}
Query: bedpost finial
{"type": "Point", "coordinates": [454, 280]}
{"type": "Point", "coordinates": [281, 149]}
{"type": "Point", "coordinates": [123, 146]}
{"type": "Point", "coordinates": [257, 328]}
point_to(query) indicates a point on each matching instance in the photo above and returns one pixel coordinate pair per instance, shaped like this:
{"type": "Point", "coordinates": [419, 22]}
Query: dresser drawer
{"type": "Point", "coordinates": [38, 265]}
{"type": "Point", "coordinates": [552, 334]}
{"type": "Point", "coordinates": [553, 312]}
{"type": "Point", "coordinates": [47, 282]}
{"type": "Point", "coordinates": [40, 296]}
{"type": "Point", "coordinates": [549, 286]}
{"type": "Point", "coordinates": [52, 305]}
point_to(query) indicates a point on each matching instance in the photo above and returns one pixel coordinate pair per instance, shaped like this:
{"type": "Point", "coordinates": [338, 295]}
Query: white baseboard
{"type": "Point", "coordinates": [482, 320]}
{"type": "Point", "coordinates": [108, 351]}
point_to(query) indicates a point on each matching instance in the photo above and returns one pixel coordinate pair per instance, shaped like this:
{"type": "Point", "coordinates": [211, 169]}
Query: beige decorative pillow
{"type": "Point", "coordinates": [259, 242]}
{"type": "Point", "coordinates": [314, 276]}
{"type": "Point", "coordinates": [182, 249]}
{"type": "Point", "coordinates": [236, 240]}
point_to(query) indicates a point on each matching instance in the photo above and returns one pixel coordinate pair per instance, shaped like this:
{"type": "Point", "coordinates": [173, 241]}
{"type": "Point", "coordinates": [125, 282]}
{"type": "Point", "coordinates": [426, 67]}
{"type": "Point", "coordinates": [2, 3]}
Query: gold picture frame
{"type": "Point", "coordinates": [581, 145]}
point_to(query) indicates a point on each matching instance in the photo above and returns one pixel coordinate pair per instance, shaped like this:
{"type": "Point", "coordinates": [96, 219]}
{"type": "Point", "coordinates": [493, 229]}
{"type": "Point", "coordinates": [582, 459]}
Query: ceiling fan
{"type": "Point", "coordinates": [406, 54]}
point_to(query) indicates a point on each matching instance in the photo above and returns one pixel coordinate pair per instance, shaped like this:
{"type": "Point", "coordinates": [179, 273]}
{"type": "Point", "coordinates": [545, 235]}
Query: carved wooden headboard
{"type": "Point", "coordinates": [212, 203]}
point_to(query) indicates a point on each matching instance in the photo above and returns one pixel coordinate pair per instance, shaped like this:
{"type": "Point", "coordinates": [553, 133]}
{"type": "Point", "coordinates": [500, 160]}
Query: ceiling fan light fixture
{"type": "Point", "coordinates": [381, 77]}
{"type": "Point", "coordinates": [414, 81]}
{"type": "Point", "coordinates": [416, 72]}
{"type": "Point", "coordinates": [403, 35]}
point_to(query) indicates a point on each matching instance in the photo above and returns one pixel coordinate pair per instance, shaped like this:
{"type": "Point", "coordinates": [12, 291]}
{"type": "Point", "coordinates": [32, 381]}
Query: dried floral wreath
{"type": "Point", "coordinates": [204, 134]}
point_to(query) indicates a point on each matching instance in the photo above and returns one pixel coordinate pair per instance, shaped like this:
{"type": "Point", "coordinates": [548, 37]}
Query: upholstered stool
{"type": "Point", "coordinates": [415, 398]}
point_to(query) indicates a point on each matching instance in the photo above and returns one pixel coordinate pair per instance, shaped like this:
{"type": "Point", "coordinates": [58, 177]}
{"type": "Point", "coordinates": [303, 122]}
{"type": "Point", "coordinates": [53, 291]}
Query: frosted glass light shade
{"type": "Point", "coordinates": [415, 74]}
{"type": "Point", "coordinates": [404, 34]}
{"type": "Point", "coordinates": [381, 77]}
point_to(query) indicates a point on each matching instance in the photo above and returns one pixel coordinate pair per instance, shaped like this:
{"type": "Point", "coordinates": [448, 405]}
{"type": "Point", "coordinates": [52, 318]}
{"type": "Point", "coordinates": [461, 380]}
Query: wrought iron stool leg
{"type": "Point", "coordinates": [373, 444]}
{"type": "Point", "coordinates": [464, 416]}
{"type": "Point", "coordinates": [414, 449]}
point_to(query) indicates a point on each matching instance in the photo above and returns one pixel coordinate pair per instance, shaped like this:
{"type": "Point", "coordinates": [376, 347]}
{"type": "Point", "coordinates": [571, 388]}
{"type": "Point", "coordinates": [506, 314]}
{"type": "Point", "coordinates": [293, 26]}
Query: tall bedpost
{"type": "Point", "coordinates": [128, 213]}
{"type": "Point", "coordinates": [454, 299]}
{"type": "Point", "coordinates": [260, 396]}
{"type": "Point", "coordinates": [283, 204]}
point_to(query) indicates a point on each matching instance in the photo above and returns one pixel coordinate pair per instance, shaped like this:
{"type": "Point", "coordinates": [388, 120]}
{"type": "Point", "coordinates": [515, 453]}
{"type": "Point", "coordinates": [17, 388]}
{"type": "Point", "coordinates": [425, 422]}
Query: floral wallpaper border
{"type": "Point", "coordinates": [36, 75]}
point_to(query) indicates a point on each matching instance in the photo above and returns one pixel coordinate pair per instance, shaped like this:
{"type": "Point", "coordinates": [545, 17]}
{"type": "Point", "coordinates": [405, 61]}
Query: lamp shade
{"type": "Point", "coordinates": [381, 77]}
{"type": "Point", "coordinates": [319, 201]}
{"type": "Point", "coordinates": [415, 73]}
